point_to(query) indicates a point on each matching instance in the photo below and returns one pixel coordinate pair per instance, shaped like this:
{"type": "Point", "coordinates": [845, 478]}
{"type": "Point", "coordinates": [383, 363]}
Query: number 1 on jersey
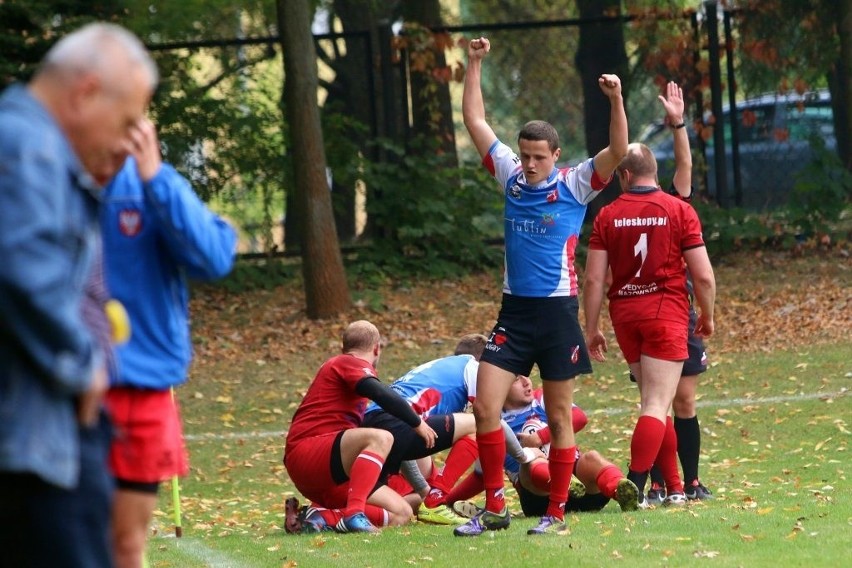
{"type": "Point", "coordinates": [641, 248]}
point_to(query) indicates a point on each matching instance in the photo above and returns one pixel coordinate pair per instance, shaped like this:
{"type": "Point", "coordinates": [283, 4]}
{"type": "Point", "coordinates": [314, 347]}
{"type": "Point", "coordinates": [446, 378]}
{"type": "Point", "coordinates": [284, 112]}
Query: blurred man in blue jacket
{"type": "Point", "coordinates": [57, 134]}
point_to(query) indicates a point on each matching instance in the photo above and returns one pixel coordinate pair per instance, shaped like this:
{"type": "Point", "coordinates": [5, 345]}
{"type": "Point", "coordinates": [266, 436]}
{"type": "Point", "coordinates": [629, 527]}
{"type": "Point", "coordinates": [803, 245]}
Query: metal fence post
{"type": "Point", "coordinates": [732, 115]}
{"type": "Point", "coordinates": [699, 103]}
{"type": "Point", "coordinates": [711, 11]}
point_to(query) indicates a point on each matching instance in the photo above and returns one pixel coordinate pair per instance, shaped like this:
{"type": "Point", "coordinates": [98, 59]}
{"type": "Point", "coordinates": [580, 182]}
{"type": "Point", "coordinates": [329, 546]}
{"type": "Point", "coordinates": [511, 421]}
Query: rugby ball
{"type": "Point", "coordinates": [533, 425]}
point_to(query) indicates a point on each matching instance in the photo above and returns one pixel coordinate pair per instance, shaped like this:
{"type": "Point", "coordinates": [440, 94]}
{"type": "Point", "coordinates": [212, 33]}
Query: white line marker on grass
{"type": "Point", "coordinates": [208, 556]}
{"type": "Point", "coordinates": [605, 411]}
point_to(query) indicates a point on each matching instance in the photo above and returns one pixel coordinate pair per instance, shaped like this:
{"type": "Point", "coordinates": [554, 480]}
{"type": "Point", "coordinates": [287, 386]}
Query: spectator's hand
{"type": "Point", "coordinates": [478, 48]}
{"type": "Point", "coordinates": [610, 85]}
{"type": "Point", "coordinates": [704, 327]}
{"type": "Point", "coordinates": [145, 148]}
{"type": "Point", "coordinates": [89, 403]}
{"type": "Point", "coordinates": [596, 343]}
{"type": "Point", "coordinates": [425, 431]}
{"type": "Point", "coordinates": [673, 104]}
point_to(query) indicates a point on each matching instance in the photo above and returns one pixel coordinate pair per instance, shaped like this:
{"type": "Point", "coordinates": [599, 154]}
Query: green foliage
{"type": "Point", "coordinates": [539, 57]}
{"type": "Point", "coordinates": [29, 27]}
{"type": "Point", "coordinates": [785, 228]}
{"type": "Point", "coordinates": [430, 218]}
{"type": "Point", "coordinates": [263, 274]}
{"type": "Point", "coordinates": [217, 109]}
{"type": "Point", "coordinates": [820, 206]}
{"type": "Point", "coordinates": [786, 43]}
{"type": "Point", "coordinates": [822, 192]}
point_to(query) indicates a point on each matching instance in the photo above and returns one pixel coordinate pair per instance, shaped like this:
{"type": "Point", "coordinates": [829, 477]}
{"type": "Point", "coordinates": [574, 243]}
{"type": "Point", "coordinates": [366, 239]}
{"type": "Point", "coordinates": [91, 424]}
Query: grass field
{"type": "Point", "coordinates": [774, 408]}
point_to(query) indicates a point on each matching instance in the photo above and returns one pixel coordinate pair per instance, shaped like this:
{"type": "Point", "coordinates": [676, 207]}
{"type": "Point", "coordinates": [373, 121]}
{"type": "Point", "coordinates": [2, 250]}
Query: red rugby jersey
{"type": "Point", "coordinates": [331, 403]}
{"type": "Point", "coordinates": [645, 232]}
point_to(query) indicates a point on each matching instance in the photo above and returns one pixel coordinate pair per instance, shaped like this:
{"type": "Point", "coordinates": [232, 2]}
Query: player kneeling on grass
{"type": "Point", "coordinates": [438, 391]}
{"type": "Point", "coordinates": [334, 462]}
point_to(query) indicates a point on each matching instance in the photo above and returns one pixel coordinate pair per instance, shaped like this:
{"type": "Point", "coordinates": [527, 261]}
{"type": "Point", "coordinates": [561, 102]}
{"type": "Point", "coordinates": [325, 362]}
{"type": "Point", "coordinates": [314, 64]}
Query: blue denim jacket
{"type": "Point", "coordinates": [48, 234]}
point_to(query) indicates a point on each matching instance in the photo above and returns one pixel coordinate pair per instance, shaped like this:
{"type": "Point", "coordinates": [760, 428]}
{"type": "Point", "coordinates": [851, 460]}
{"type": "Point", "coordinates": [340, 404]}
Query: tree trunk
{"type": "Point", "coordinates": [326, 289]}
{"type": "Point", "coordinates": [601, 50]}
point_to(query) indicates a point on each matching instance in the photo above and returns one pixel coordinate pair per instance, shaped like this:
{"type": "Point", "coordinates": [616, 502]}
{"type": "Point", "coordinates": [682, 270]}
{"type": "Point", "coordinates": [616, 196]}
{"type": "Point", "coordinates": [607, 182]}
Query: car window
{"type": "Point", "coordinates": [657, 137]}
{"type": "Point", "coordinates": [755, 124]}
{"type": "Point", "coordinates": [811, 120]}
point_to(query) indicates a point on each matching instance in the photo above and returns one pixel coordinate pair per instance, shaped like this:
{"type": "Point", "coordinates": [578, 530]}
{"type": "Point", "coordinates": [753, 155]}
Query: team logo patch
{"type": "Point", "coordinates": [129, 222]}
{"type": "Point", "coordinates": [497, 339]}
{"type": "Point", "coordinates": [425, 400]}
{"type": "Point", "coordinates": [515, 191]}
{"type": "Point", "coordinates": [548, 220]}
{"type": "Point", "coordinates": [552, 196]}
{"type": "Point", "coordinates": [575, 354]}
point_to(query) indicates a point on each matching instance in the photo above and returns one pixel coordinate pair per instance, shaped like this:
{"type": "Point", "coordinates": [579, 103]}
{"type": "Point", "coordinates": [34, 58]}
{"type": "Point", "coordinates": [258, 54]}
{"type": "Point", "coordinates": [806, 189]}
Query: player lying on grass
{"type": "Point", "coordinates": [600, 479]}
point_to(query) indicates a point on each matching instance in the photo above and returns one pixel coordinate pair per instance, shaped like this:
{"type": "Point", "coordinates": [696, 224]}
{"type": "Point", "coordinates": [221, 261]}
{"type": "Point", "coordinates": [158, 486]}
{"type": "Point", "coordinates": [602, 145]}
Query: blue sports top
{"type": "Point", "coordinates": [441, 386]}
{"type": "Point", "coordinates": [157, 235]}
{"type": "Point", "coordinates": [516, 418]}
{"type": "Point", "coordinates": [542, 223]}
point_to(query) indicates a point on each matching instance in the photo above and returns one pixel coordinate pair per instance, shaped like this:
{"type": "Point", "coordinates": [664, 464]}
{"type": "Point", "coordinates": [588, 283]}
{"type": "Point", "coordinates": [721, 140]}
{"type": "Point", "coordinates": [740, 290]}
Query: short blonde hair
{"type": "Point", "coordinates": [639, 161]}
{"type": "Point", "coordinates": [360, 335]}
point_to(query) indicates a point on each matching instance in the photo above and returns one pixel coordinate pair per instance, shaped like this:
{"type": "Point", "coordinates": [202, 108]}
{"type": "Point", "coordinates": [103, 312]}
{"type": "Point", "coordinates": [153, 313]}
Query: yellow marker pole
{"type": "Point", "coordinates": [176, 498]}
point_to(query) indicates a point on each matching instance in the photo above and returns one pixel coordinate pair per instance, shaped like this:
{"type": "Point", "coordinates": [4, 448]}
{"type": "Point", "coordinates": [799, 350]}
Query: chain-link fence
{"type": "Point", "coordinates": [230, 131]}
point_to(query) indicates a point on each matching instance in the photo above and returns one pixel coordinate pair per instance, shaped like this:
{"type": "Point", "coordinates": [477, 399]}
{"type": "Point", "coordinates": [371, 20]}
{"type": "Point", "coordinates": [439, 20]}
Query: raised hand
{"type": "Point", "coordinates": [478, 48]}
{"type": "Point", "coordinates": [673, 103]}
{"type": "Point", "coordinates": [610, 85]}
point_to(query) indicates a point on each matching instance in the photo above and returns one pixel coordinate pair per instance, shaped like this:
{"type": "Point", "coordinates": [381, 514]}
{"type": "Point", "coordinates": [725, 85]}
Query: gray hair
{"type": "Point", "coordinates": [93, 48]}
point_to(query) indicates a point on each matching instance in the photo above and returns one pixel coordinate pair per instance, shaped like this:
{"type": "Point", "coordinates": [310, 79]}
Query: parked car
{"type": "Point", "coordinates": [775, 133]}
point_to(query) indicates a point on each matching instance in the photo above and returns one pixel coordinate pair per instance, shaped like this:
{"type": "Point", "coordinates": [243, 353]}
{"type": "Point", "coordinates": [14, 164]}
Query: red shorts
{"type": "Point", "coordinates": [398, 483]}
{"type": "Point", "coordinates": [148, 446]}
{"type": "Point", "coordinates": [308, 464]}
{"type": "Point", "coordinates": [661, 339]}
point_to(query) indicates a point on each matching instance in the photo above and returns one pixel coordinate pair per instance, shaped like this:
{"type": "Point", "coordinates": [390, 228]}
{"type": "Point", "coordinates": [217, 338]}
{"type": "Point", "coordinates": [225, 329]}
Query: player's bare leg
{"type": "Point", "coordinates": [657, 380]}
{"type": "Point", "coordinates": [492, 387]}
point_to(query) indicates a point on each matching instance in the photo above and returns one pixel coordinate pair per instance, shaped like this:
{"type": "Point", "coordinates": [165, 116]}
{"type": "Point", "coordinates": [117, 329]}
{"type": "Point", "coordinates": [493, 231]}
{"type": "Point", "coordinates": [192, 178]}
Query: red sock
{"type": "Point", "coordinates": [461, 457]}
{"type": "Point", "coordinates": [362, 478]}
{"type": "Point", "coordinates": [540, 475]}
{"type": "Point", "coordinates": [561, 462]}
{"type": "Point", "coordinates": [378, 516]}
{"type": "Point", "coordinates": [645, 444]}
{"type": "Point", "coordinates": [467, 488]}
{"type": "Point", "coordinates": [434, 498]}
{"type": "Point", "coordinates": [667, 459]}
{"type": "Point", "coordinates": [330, 516]}
{"type": "Point", "coordinates": [492, 454]}
{"type": "Point", "coordinates": [608, 479]}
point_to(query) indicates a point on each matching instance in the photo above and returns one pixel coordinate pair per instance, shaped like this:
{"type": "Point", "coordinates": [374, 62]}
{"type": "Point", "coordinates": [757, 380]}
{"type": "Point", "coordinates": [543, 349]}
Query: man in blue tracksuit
{"type": "Point", "coordinates": [157, 233]}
